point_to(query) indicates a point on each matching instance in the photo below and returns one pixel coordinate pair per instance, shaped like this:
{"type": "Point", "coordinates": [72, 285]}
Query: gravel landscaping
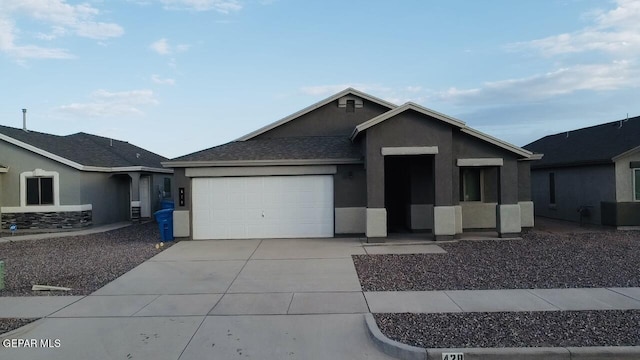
{"type": "Point", "coordinates": [83, 263]}
{"type": "Point", "coordinates": [539, 260]}
{"type": "Point", "coordinates": [10, 324]}
{"type": "Point", "coordinates": [514, 329]}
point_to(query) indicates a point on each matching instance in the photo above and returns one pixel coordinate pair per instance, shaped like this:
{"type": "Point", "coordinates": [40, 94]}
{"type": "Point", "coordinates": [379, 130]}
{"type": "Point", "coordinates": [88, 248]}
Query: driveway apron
{"type": "Point", "coordinates": [265, 299]}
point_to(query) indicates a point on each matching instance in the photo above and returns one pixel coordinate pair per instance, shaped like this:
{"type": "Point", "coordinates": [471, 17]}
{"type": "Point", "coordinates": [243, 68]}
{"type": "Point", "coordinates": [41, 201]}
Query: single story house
{"type": "Point", "coordinates": [354, 164]}
{"type": "Point", "coordinates": [590, 175]}
{"type": "Point", "coordinates": [57, 182]}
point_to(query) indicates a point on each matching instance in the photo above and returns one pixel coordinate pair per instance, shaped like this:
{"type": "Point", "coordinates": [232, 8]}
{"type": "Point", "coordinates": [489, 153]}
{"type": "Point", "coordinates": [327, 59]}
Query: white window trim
{"type": "Point", "coordinates": [39, 173]}
{"type": "Point", "coordinates": [464, 188]}
{"type": "Point", "coordinates": [633, 180]}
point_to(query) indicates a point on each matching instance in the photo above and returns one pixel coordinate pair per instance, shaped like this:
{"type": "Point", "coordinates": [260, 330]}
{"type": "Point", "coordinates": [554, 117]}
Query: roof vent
{"type": "Point", "coordinates": [24, 120]}
{"type": "Point", "coordinates": [347, 100]}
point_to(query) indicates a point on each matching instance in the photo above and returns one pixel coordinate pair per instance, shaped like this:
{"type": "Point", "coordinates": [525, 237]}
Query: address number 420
{"type": "Point", "coordinates": [452, 356]}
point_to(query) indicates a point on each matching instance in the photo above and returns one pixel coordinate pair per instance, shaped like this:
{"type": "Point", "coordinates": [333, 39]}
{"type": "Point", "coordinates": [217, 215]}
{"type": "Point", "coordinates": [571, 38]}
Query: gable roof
{"type": "Point", "coordinates": [289, 150]}
{"type": "Point", "coordinates": [85, 151]}
{"type": "Point", "coordinates": [308, 109]}
{"type": "Point", "coordinates": [444, 118]}
{"type": "Point", "coordinates": [600, 144]}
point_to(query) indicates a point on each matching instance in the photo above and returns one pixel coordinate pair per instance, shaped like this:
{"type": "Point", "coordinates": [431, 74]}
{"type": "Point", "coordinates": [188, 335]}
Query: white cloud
{"type": "Point", "coordinates": [163, 47]}
{"type": "Point", "coordinates": [615, 32]}
{"type": "Point", "coordinates": [158, 80]}
{"type": "Point", "coordinates": [63, 19]}
{"type": "Point", "coordinates": [8, 45]}
{"type": "Point", "coordinates": [221, 6]}
{"type": "Point", "coordinates": [104, 103]}
{"type": "Point", "coordinates": [598, 77]}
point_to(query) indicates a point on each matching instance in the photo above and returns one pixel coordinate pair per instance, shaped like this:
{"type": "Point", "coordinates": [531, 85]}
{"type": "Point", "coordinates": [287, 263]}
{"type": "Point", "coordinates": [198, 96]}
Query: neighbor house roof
{"type": "Point", "coordinates": [308, 109]}
{"type": "Point", "coordinates": [85, 151]}
{"type": "Point", "coordinates": [598, 144]}
{"type": "Point", "coordinates": [290, 150]}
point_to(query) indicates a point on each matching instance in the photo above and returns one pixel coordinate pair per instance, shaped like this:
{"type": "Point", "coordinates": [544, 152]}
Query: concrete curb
{"type": "Point", "coordinates": [392, 347]}
{"type": "Point", "coordinates": [404, 351]}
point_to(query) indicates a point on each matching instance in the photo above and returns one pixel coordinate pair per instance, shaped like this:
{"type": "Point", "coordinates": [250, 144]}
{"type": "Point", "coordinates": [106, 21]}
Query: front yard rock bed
{"type": "Point", "coordinates": [513, 329]}
{"type": "Point", "coordinates": [83, 263]}
{"type": "Point", "coordinates": [539, 260]}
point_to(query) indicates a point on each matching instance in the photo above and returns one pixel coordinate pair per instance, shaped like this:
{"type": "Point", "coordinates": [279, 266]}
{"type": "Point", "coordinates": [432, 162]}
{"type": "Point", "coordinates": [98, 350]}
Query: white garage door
{"type": "Point", "coordinates": [262, 207]}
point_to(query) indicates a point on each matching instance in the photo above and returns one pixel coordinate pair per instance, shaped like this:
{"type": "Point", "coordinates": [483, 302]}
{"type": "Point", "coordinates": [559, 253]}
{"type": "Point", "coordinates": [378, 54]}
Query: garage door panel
{"type": "Point", "coordinates": [263, 207]}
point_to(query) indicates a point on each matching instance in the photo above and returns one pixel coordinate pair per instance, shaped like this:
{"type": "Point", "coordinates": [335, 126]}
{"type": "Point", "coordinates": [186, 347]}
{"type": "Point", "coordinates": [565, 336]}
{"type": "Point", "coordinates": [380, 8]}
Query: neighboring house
{"type": "Point", "coordinates": [596, 169]}
{"type": "Point", "coordinates": [354, 164]}
{"type": "Point", "coordinates": [49, 181]}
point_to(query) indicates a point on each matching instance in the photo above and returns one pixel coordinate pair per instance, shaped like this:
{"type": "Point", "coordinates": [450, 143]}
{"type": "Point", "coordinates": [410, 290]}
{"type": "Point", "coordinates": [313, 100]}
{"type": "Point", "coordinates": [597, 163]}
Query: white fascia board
{"type": "Point", "coordinates": [3, 169]}
{"type": "Point", "coordinates": [626, 153]}
{"type": "Point", "coordinates": [39, 151]}
{"type": "Point", "coordinates": [190, 164]}
{"type": "Point", "coordinates": [490, 139]}
{"type": "Point", "coordinates": [533, 157]}
{"type": "Point", "coordinates": [315, 106]}
{"type": "Point", "coordinates": [44, 208]}
{"type": "Point", "coordinates": [480, 162]}
{"type": "Point", "coordinates": [407, 106]}
{"type": "Point", "coordinates": [409, 150]}
{"type": "Point", "coordinates": [141, 169]}
{"type": "Point", "coordinates": [76, 165]}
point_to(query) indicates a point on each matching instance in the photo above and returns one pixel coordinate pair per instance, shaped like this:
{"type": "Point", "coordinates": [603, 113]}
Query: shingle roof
{"type": "Point", "coordinates": [87, 149]}
{"type": "Point", "coordinates": [592, 145]}
{"type": "Point", "coordinates": [291, 148]}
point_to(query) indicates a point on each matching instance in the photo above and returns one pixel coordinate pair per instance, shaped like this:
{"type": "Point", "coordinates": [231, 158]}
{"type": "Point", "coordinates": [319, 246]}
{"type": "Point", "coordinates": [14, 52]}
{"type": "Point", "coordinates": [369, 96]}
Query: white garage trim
{"type": "Point", "coordinates": [262, 207]}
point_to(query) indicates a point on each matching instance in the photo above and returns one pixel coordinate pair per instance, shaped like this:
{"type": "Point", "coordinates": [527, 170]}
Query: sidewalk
{"type": "Point", "coordinates": [336, 302]}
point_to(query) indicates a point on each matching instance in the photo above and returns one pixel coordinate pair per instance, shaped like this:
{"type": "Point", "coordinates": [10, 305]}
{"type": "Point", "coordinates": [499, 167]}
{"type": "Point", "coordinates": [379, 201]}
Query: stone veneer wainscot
{"type": "Point", "coordinates": [48, 220]}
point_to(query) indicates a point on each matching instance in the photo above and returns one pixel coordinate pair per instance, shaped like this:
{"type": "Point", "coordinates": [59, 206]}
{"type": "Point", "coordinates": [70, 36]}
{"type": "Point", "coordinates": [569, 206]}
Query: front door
{"type": "Point", "coordinates": [145, 197]}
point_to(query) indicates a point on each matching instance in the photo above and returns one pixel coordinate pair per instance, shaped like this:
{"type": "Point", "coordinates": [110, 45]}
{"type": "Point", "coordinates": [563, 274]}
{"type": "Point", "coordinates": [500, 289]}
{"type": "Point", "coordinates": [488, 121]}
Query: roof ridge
{"type": "Point", "coordinates": [595, 126]}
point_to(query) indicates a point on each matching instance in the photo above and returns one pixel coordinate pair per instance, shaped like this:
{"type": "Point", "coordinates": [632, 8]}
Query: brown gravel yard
{"type": "Point", "coordinates": [7, 325]}
{"type": "Point", "coordinates": [514, 329]}
{"type": "Point", "coordinates": [540, 260]}
{"type": "Point", "coordinates": [84, 263]}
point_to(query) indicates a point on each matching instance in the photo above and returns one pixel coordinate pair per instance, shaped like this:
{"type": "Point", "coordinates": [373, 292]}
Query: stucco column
{"type": "Point", "coordinates": [508, 217]}
{"type": "Point", "coordinates": [444, 212]}
{"type": "Point", "coordinates": [376, 215]}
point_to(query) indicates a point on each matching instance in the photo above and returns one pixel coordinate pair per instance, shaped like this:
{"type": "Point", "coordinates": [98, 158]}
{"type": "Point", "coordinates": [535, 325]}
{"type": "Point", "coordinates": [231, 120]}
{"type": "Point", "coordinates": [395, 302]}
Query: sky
{"type": "Point", "coordinates": [178, 76]}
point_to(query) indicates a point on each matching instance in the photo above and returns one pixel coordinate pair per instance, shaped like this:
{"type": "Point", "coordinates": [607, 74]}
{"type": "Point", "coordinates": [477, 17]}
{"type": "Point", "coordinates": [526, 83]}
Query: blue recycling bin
{"type": "Point", "coordinates": [164, 218]}
{"type": "Point", "coordinates": [167, 204]}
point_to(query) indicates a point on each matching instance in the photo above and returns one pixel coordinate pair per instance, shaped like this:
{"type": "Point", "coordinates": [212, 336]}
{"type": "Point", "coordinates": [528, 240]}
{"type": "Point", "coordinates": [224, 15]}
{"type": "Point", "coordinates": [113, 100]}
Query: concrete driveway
{"type": "Point", "coordinates": [266, 299]}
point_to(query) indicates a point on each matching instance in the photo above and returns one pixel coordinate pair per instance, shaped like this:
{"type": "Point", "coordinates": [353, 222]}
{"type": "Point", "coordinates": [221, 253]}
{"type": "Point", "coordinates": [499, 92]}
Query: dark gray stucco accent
{"type": "Point", "coordinates": [506, 176]}
{"type": "Point", "coordinates": [508, 183]}
{"type": "Point", "coordinates": [328, 120]}
{"type": "Point", "coordinates": [490, 185]}
{"type": "Point", "coordinates": [181, 181]}
{"type": "Point", "coordinates": [575, 186]}
{"type": "Point", "coordinates": [350, 186]}
{"type": "Point", "coordinates": [409, 129]}
{"type": "Point", "coordinates": [524, 180]}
